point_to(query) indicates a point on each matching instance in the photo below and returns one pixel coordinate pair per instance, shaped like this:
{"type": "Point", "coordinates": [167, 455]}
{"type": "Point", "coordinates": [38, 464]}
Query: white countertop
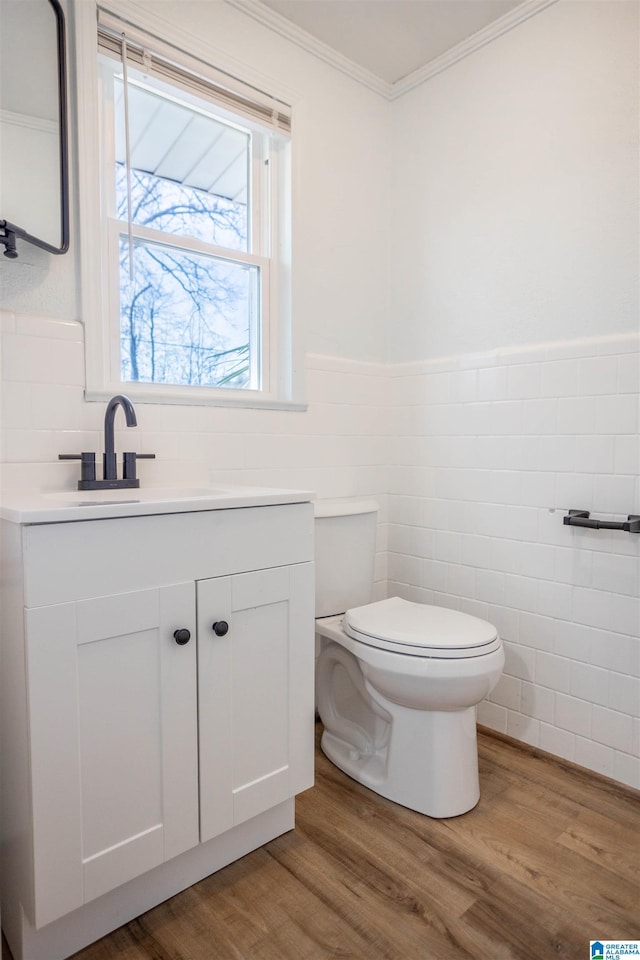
{"type": "Point", "coordinates": [70, 505]}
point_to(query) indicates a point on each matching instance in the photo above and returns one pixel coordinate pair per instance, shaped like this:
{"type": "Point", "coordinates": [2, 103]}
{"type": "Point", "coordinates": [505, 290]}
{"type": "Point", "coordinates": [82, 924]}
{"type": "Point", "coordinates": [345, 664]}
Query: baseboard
{"type": "Point", "coordinates": [574, 768]}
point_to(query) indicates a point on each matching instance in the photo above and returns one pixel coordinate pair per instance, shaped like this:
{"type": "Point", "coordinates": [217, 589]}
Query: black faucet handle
{"type": "Point", "coordinates": [129, 463]}
{"type": "Point", "coordinates": [87, 463]}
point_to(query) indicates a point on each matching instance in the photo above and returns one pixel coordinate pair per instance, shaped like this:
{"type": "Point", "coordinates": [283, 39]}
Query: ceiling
{"type": "Point", "coordinates": [390, 45]}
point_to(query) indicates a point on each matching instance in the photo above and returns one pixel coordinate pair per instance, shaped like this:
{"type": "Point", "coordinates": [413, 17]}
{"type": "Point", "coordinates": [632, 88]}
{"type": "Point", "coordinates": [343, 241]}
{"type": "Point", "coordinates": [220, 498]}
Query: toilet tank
{"type": "Point", "coordinates": [345, 548]}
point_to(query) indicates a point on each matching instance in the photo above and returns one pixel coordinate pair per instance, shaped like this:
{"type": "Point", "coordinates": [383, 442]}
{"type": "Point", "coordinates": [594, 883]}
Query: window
{"type": "Point", "coordinates": [195, 233]}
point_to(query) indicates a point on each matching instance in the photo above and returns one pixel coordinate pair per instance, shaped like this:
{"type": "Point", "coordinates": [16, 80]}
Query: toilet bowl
{"type": "Point", "coordinates": [397, 685]}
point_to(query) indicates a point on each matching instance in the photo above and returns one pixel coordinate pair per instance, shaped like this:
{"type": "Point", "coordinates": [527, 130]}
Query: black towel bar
{"type": "Point", "coordinates": [581, 518]}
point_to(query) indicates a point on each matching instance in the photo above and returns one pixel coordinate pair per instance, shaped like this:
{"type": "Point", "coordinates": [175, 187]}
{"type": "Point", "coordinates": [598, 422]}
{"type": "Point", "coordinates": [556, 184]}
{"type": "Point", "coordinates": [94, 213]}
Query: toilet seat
{"type": "Point", "coordinates": [420, 630]}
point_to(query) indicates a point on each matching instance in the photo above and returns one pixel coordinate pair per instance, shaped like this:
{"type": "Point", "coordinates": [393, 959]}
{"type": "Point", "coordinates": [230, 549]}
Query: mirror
{"type": "Point", "coordinates": [34, 189]}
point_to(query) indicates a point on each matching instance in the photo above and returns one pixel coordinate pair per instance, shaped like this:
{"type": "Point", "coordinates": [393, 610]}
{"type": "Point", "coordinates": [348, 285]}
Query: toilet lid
{"type": "Point", "coordinates": [408, 627]}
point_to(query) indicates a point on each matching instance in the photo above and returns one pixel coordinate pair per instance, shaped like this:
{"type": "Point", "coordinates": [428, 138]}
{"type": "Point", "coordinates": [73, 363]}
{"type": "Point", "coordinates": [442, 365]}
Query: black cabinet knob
{"type": "Point", "coordinates": [182, 636]}
{"type": "Point", "coordinates": [220, 627]}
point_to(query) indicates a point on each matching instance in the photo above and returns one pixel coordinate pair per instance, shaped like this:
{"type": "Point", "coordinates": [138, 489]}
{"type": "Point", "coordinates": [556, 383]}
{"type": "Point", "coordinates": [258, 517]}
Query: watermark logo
{"type": "Point", "coordinates": [614, 949]}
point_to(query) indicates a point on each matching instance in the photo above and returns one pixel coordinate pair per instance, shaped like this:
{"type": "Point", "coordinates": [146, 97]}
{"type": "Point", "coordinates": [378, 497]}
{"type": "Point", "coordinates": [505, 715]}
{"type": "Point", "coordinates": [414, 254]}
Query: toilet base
{"type": "Point", "coordinates": [425, 759]}
{"type": "Point", "coordinates": [429, 763]}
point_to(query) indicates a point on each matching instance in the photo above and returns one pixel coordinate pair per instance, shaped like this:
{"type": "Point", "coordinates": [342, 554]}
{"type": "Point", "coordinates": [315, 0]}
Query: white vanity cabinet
{"type": "Point", "coordinates": [157, 709]}
{"type": "Point", "coordinates": [113, 732]}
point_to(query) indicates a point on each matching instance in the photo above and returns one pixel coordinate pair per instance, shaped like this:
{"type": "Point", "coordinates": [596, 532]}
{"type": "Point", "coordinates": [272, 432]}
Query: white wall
{"type": "Point", "coordinates": [516, 281]}
{"type": "Point", "coordinates": [516, 193]}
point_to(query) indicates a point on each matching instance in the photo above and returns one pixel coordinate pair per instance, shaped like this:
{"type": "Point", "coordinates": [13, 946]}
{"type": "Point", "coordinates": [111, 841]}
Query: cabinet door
{"type": "Point", "coordinates": [113, 717]}
{"type": "Point", "coordinates": [255, 698]}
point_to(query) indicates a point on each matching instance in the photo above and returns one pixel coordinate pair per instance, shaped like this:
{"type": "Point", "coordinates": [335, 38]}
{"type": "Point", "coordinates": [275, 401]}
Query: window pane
{"type": "Point", "coordinates": [187, 318]}
{"type": "Point", "coordinates": [189, 172]}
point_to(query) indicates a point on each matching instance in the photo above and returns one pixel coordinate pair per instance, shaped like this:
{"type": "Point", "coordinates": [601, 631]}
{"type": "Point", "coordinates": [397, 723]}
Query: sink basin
{"type": "Point", "coordinates": [133, 495]}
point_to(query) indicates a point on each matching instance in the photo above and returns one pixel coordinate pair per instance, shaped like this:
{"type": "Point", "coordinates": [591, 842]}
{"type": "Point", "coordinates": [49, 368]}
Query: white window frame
{"type": "Point", "coordinates": [281, 386]}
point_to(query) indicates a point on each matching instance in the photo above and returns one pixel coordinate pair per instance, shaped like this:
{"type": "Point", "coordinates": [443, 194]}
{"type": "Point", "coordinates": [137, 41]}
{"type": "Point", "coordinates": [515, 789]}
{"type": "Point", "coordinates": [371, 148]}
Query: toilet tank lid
{"type": "Point", "coordinates": [343, 508]}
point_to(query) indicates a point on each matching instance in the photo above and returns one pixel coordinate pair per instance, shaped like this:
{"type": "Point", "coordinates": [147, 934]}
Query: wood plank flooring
{"type": "Point", "coordinates": [549, 859]}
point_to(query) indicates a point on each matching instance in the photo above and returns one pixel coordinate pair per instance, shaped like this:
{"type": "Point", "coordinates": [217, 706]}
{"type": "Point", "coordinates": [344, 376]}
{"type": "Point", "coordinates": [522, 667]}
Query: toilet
{"type": "Point", "coordinates": [397, 682]}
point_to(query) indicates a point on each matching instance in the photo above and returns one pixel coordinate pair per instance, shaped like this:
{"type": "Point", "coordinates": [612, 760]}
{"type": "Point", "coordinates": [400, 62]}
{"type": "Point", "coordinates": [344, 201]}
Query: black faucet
{"type": "Point", "coordinates": [109, 469]}
{"type": "Point", "coordinates": [110, 479]}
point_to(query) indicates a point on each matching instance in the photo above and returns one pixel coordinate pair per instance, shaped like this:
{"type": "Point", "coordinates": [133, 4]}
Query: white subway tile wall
{"type": "Point", "coordinates": [337, 448]}
{"type": "Point", "coordinates": [482, 471]}
{"type": "Point", "coordinates": [474, 461]}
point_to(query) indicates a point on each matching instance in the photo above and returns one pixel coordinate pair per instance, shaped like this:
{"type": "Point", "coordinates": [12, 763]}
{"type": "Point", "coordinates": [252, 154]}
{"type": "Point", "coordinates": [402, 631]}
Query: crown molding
{"type": "Point", "coordinates": [390, 91]}
{"type": "Point", "coordinates": [524, 11]}
{"type": "Point", "coordinates": [290, 31]}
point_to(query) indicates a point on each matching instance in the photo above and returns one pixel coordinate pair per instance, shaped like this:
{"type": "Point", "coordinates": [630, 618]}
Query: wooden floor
{"type": "Point", "coordinates": [548, 860]}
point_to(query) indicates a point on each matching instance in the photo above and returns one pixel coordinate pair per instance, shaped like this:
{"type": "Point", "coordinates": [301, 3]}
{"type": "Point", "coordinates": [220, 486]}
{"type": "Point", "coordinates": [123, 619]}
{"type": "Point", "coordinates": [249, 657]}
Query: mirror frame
{"type": "Point", "coordinates": [9, 232]}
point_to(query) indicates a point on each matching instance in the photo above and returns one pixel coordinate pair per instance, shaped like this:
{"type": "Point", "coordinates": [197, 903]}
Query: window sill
{"type": "Point", "coordinates": [147, 394]}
